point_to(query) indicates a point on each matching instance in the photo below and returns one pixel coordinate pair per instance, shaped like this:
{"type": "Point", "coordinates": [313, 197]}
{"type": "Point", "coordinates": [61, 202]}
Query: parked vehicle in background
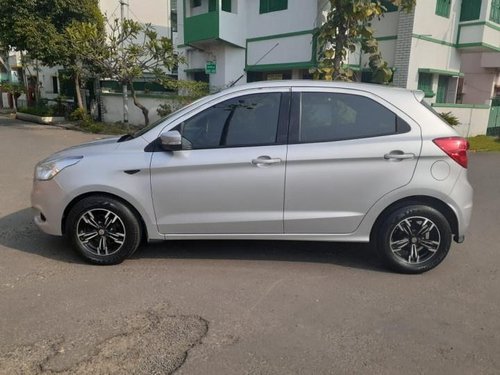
{"type": "Point", "coordinates": [287, 160]}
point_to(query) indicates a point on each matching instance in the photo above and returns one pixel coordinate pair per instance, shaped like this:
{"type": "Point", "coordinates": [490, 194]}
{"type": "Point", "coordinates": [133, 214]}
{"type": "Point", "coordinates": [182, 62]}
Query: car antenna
{"type": "Point", "coordinates": [258, 61]}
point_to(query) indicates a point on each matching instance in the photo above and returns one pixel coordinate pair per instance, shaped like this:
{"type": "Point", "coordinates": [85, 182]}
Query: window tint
{"type": "Point", "coordinates": [328, 117]}
{"type": "Point", "coordinates": [244, 121]}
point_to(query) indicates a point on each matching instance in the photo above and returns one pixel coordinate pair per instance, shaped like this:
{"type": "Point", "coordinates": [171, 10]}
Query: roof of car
{"type": "Point", "coordinates": [382, 90]}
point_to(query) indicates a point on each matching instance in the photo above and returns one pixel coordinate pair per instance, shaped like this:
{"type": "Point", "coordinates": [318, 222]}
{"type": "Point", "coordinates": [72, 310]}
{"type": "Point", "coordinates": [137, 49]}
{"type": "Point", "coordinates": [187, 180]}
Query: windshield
{"type": "Point", "coordinates": [163, 119]}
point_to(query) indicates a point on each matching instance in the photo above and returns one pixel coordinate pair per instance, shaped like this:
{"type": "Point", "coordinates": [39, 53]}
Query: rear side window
{"type": "Point", "coordinates": [328, 117]}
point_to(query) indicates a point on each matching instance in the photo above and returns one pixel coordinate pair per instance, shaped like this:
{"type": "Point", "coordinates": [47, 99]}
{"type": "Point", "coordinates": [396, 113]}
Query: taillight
{"type": "Point", "coordinates": [455, 147]}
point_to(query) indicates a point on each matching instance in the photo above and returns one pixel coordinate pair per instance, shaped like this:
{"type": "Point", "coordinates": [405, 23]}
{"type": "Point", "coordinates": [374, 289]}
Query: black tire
{"type": "Point", "coordinates": [103, 230]}
{"type": "Point", "coordinates": [414, 239]}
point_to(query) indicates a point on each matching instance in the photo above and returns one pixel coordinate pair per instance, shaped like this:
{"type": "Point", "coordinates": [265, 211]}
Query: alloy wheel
{"type": "Point", "coordinates": [101, 231]}
{"type": "Point", "coordinates": [415, 240]}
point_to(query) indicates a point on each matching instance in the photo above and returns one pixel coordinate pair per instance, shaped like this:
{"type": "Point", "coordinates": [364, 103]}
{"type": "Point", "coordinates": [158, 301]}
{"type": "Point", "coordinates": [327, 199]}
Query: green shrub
{"type": "Point", "coordinates": [450, 118]}
{"type": "Point", "coordinates": [37, 111]}
{"type": "Point", "coordinates": [78, 114]}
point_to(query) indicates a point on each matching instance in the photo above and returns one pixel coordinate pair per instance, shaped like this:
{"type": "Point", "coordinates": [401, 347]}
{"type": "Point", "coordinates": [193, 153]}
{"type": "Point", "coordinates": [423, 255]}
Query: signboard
{"type": "Point", "coordinates": [211, 67]}
{"type": "Point", "coordinates": [274, 77]}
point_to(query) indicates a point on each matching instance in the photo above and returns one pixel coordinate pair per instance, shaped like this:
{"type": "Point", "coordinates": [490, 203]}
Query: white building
{"type": "Point", "coordinates": [448, 48]}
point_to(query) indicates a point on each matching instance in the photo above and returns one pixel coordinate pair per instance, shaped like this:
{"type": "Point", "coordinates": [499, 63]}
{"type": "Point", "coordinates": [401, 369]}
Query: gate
{"type": "Point", "coordinates": [494, 121]}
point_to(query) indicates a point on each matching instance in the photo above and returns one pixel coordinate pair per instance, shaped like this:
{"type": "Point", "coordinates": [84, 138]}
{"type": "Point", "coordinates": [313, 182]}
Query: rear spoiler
{"type": "Point", "coordinates": [419, 95]}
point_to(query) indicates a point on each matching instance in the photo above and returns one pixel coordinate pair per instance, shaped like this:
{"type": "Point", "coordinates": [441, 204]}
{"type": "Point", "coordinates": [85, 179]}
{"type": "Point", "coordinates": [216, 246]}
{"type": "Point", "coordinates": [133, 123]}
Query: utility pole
{"type": "Point", "coordinates": [123, 8]}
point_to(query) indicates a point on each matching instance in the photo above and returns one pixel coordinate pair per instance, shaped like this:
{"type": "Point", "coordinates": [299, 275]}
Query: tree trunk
{"type": "Point", "coordinates": [78, 92]}
{"type": "Point", "coordinates": [37, 84]}
{"type": "Point", "coordinates": [125, 103]}
{"type": "Point", "coordinates": [144, 110]}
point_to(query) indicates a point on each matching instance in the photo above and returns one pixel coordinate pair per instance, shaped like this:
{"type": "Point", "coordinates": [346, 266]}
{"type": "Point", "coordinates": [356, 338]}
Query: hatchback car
{"type": "Point", "coordinates": [287, 160]}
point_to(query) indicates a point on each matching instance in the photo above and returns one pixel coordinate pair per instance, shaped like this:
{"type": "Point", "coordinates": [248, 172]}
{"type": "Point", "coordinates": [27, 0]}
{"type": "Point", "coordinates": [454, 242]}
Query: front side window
{"type": "Point", "coordinates": [267, 6]}
{"type": "Point", "coordinates": [250, 120]}
{"type": "Point", "coordinates": [328, 117]}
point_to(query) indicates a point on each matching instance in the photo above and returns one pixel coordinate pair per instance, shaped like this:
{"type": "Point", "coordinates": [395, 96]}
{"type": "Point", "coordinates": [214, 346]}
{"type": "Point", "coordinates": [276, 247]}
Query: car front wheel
{"type": "Point", "coordinates": [414, 239]}
{"type": "Point", "coordinates": [103, 230]}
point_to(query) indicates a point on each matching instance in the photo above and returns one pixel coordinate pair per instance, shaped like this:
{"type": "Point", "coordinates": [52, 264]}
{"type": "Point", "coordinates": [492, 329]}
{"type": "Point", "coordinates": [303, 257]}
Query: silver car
{"type": "Point", "coordinates": [287, 160]}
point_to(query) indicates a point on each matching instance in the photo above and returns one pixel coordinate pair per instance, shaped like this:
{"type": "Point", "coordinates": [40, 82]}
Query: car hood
{"type": "Point", "coordinates": [90, 148]}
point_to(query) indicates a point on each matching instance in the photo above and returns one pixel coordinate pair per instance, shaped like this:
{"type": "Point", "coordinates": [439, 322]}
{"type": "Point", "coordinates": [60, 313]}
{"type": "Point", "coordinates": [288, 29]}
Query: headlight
{"type": "Point", "coordinates": [47, 170]}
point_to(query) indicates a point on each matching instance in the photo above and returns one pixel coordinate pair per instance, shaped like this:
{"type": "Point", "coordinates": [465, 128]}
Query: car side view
{"type": "Point", "coordinates": [283, 160]}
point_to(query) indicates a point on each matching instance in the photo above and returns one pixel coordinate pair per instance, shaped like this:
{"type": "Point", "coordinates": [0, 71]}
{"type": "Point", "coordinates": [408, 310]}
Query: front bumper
{"type": "Point", "coordinates": [48, 203]}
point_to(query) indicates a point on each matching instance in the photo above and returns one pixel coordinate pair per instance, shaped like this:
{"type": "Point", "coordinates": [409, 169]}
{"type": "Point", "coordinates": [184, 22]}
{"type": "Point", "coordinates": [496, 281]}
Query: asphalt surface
{"type": "Point", "coordinates": [239, 307]}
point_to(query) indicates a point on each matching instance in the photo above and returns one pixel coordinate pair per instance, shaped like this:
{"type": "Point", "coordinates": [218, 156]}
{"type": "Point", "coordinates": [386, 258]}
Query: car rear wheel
{"type": "Point", "coordinates": [414, 239]}
{"type": "Point", "coordinates": [103, 230]}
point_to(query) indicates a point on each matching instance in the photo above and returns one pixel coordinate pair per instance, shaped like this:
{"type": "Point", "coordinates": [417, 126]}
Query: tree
{"type": "Point", "coordinates": [131, 51]}
{"type": "Point", "coordinates": [81, 37]}
{"type": "Point", "coordinates": [38, 28]}
{"type": "Point", "coordinates": [15, 89]}
{"type": "Point", "coordinates": [348, 27]}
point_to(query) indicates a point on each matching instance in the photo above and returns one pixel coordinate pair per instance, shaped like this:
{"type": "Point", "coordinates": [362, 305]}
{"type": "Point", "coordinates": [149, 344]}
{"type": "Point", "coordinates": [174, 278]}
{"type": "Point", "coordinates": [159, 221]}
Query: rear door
{"type": "Point", "coordinates": [346, 151]}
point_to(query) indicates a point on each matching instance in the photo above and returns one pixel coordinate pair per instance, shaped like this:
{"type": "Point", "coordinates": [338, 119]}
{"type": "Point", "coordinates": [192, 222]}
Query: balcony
{"type": "Point", "coordinates": [201, 27]}
{"type": "Point", "coordinates": [479, 36]}
{"type": "Point", "coordinates": [208, 22]}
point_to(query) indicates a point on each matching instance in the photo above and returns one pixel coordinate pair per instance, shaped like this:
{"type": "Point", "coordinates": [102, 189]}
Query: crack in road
{"type": "Point", "coordinates": [150, 342]}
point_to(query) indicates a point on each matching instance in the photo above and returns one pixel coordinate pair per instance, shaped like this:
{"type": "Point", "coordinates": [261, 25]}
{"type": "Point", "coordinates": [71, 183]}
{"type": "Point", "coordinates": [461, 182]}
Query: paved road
{"type": "Point", "coordinates": [239, 307]}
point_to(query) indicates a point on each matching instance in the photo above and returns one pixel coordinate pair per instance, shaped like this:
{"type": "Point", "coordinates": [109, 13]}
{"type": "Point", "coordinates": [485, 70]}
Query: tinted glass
{"type": "Point", "coordinates": [250, 120]}
{"type": "Point", "coordinates": [329, 117]}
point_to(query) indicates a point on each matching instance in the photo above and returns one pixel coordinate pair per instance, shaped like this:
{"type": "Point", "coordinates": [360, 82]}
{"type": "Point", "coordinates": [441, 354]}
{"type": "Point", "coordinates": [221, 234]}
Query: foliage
{"type": "Point", "coordinates": [38, 26]}
{"type": "Point", "coordinates": [42, 29]}
{"type": "Point", "coordinates": [78, 114]}
{"type": "Point", "coordinates": [484, 143]}
{"type": "Point", "coordinates": [450, 118]}
{"type": "Point", "coordinates": [189, 91]}
{"type": "Point", "coordinates": [43, 110]}
{"type": "Point", "coordinates": [131, 51]}
{"type": "Point", "coordinates": [91, 126]}
{"type": "Point", "coordinates": [346, 29]}
{"type": "Point", "coordinates": [15, 89]}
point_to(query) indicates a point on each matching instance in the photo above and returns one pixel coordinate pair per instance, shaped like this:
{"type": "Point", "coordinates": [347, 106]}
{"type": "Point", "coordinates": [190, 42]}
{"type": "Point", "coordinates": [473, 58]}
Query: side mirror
{"type": "Point", "coordinates": [171, 140]}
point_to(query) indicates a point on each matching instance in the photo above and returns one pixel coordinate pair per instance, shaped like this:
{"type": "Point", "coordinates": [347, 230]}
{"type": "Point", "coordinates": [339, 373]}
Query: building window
{"type": "Point", "coordinates": [495, 11]}
{"type": "Point", "coordinates": [389, 6]}
{"type": "Point", "coordinates": [55, 85]}
{"type": "Point", "coordinates": [443, 8]}
{"type": "Point", "coordinates": [470, 10]}
{"type": "Point", "coordinates": [267, 6]}
{"type": "Point", "coordinates": [226, 5]}
{"type": "Point", "coordinates": [425, 84]}
{"type": "Point", "coordinates": [195, 3]}
{"type": "Point", "coordinates": [442, 89]}
{"type": "Point", "coordinates": [212, 5]}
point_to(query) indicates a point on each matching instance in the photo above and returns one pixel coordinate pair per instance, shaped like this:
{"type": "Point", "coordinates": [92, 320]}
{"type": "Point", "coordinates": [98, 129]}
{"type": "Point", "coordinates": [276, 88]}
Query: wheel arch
{"type": "Point", "coordinates": [80, 197]}
{"type": "Point", "coordinates": [435, 203]}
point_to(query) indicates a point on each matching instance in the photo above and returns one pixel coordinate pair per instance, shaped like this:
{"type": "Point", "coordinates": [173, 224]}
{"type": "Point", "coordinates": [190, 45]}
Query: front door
{"type": "Point", "coordinates": [229, 178]}
{"type": "Point", "coordinates": [346, 152]}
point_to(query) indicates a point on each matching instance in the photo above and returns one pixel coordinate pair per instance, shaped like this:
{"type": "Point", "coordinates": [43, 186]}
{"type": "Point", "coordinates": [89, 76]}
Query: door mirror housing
{"type": "Point", "coordinates": [171, 140]}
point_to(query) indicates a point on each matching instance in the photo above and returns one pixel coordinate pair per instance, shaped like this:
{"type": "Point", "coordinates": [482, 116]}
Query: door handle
{"type": "Point", "coordinates": [398, 155]}
{"type": "Point", "coordinates": [265, 160]}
